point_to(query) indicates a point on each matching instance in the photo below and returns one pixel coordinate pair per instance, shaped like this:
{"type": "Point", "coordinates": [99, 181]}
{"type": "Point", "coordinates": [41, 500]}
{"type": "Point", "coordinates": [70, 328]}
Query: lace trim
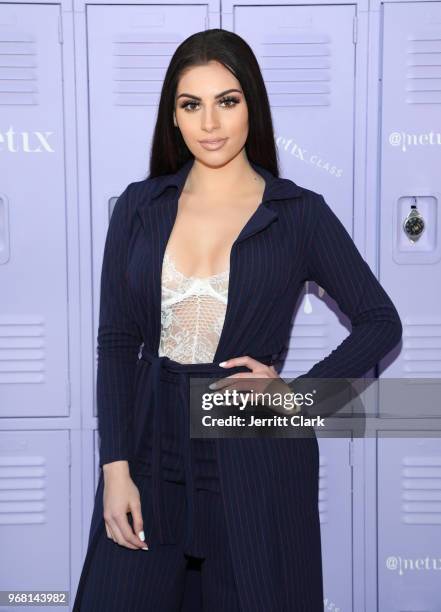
{"type": "Point", "coordinates": [169, 260]}
{"type": "Point", "coordinates": [193, 310]}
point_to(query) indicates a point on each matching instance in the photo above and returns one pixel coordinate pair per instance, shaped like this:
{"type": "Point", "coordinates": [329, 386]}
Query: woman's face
{"type": "Point", "coordinates": [205, 111]}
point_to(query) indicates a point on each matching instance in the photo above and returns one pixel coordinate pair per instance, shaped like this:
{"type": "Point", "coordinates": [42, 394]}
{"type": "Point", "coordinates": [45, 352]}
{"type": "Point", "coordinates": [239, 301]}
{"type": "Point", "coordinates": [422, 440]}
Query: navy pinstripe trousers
{"type": "Point", "coordinates": [122, 579]}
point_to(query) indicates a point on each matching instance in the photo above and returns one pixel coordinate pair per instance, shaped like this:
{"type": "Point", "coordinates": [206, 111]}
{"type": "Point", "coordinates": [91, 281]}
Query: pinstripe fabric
{"type": "Point", "coordinates": [335, 264]}
{"type": "Point", "coordinates": [125, 580]}
{"type": "Point", "coordinates": [269, 487]}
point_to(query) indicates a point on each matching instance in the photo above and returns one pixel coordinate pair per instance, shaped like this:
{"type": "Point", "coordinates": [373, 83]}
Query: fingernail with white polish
{"type": "Point", "coordinates": [222, 363]}
{"type": "Point", "coordinates": [141, 536]}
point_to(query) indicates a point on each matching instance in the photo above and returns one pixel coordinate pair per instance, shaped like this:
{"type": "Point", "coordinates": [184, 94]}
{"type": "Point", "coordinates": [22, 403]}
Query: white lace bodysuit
{"type": "Point", "coordinates": [192, 313]}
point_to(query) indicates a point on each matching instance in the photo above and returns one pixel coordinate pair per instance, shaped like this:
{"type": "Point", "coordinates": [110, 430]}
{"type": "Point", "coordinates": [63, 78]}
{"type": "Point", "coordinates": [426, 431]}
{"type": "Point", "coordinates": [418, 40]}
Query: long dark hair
{"type": "Point", "coordinates": [169, 150]}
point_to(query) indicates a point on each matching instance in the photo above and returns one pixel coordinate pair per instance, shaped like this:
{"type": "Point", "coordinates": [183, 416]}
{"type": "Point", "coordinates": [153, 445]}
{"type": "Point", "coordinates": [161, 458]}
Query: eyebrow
{"type": "Point", "coordinates": [215, 97]}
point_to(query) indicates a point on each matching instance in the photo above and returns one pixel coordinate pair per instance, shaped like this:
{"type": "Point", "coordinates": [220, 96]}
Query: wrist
{"type": "Point", "coordinates": [120, 467]}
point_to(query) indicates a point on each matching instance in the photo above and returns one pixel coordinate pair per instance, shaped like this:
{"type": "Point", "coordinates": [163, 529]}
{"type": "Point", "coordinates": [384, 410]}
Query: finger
{"type": "Point", "coordinates": [109, 532]}
{"type": "Point", "coordinates": [120, 527]}
{"type": "Point", "coordinates": [127, 532]}
{"type": "Point", "coordinates": [138, 525]}
{"type": "Point", "coordinates": [112, 535]}
{"type": "Point", "coordinates": [249, 390]}
{"type": "Point", "coordinates": [222, 382]}
{"type": "Point", "coordinates": [113, 531]}
{"type": "Point", "coordinates": [237, 393]}
{"type": "Point", "coordinates": [228, 382]}
{"type": "Point", "coordinates": [245, 360]}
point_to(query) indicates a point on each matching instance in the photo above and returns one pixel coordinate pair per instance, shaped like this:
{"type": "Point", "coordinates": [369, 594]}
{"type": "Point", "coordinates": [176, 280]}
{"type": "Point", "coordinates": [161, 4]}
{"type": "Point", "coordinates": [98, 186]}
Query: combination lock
{"type": "Point", "coordinates": [414, 224]}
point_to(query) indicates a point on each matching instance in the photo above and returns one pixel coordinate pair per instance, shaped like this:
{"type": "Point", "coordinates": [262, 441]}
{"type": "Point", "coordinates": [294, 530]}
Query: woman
{"type": "Point", "coordinates": [203, 264]}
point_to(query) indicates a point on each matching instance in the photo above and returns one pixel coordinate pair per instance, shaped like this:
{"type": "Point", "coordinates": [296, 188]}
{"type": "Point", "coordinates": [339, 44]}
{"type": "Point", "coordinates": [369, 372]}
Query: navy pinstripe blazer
{"type": "Point", "coordinates": [293, 236]}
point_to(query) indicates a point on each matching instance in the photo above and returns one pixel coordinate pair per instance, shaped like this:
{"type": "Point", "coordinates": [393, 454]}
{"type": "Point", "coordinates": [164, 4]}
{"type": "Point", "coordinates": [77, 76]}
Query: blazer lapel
{"type": "Point", "coordinates": [158, 212]}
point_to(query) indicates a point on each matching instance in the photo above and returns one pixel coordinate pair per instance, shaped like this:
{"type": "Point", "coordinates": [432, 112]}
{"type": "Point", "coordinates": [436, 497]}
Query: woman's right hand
{"type": "Point", "coordinates": [121, 496]}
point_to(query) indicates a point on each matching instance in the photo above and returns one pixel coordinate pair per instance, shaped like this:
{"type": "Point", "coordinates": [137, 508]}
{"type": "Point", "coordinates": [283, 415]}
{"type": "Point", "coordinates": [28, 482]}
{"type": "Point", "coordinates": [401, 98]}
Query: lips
{"type": "Point", "coordinates": [213, 145]}
{"type": "Point", "coordinates": [212, 141]}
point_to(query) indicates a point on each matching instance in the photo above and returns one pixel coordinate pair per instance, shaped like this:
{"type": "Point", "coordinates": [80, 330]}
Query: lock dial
{"type": "Point", "coordinates": [414, 224]}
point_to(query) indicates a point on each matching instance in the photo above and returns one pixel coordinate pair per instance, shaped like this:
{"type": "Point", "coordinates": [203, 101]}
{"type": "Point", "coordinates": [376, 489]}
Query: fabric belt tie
{"type": "Point", "coordinates": [157, 363]}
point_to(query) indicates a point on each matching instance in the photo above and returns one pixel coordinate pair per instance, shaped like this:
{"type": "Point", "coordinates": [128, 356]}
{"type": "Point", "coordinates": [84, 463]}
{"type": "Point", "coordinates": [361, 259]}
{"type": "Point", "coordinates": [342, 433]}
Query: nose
{"type": "Point", "coordinates": [209, 120]}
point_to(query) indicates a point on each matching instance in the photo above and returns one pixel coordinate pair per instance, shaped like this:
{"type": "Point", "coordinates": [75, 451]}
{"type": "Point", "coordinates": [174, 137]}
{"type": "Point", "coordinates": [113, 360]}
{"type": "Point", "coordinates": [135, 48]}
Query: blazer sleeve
{"type": "Point", "coordinates": [118, 342]}
{"type": "Point", "coordinates": [334, 262]}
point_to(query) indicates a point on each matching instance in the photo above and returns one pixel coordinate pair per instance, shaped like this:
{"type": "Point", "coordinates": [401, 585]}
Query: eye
{"type": "Point", "coordinates": [186, 106]}
{"type": "Point", "coordinates": [229, 101]}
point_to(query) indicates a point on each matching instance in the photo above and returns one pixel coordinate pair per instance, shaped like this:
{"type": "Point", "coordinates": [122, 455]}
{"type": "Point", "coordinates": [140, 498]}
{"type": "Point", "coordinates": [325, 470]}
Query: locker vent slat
{"type": "Point", "coordinates": [22, 349]}
{"type": "Point", "coordinates": [422, 346]}
{"type": "Point", "coordinates": [297, 69]}
{"type": "Point", "coordinates": [23, 484]}
{"type": "Point", "coordinates": [423, 76]}
{"type": "Point", "coordinates": [421, 490]}
{"type": "Point", "coordinates": [18, 68]}
{"type": "Point", "coordinates": [139, 64]}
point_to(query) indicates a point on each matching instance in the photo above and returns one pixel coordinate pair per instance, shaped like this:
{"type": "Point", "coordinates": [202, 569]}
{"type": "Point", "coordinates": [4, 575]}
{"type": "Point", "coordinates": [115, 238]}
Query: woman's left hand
{"type": "Point", "coordinates": [263, 376]}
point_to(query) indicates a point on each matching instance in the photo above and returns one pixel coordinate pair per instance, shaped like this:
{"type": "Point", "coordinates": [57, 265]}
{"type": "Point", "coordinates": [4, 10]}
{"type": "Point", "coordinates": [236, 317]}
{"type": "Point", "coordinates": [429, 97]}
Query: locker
{"type": "Point", "coordinates": [410, 162]}
{"type": "Point", "coordinates": [408, 468]}
{"type": "Point", "coordinates": [34, 510]}
{"type": "Point", "coordinates": [409, 520]}
{"type": "Point", "coordinates": [34, 378]}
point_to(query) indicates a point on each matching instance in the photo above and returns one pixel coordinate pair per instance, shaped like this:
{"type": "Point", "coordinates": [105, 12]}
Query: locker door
{"type": "Point", "coordinates": [409, 471]}
{"type": "Point", "coordinates": [409, 520]}
{"type": "Point", "coordinates": [34, 511]}
{"type": "Point", "coordinates": [33, 268]}
{"type": "Point", "coordinates": [307, 57]}
{"type": "Point", "coordinates": [410, 163]}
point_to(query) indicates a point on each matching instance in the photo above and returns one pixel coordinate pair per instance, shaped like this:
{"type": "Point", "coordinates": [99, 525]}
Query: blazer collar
{"type": "Point", "coordinates": [276, 188]}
